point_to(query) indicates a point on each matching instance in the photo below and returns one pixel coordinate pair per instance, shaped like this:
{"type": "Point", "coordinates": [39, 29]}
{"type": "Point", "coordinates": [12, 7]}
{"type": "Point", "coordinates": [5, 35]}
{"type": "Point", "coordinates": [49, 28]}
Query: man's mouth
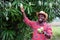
{"type": "Point", "coordinates": [40, 19]}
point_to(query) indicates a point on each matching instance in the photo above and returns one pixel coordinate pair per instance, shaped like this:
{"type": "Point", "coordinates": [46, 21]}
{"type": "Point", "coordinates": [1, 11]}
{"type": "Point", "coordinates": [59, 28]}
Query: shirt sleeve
{"type": "Point", "coordinates": [27, 21]}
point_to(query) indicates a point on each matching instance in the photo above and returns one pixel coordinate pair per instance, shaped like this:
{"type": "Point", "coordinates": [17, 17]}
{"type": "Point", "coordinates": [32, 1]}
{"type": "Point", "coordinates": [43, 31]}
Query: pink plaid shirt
{"type": "Point", "coordinates": [34, 25]}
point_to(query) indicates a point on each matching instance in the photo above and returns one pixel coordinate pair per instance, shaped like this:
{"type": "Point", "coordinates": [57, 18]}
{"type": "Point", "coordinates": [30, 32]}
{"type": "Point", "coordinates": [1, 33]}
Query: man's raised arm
{"type": "Point", "coordinates": [25, 18]}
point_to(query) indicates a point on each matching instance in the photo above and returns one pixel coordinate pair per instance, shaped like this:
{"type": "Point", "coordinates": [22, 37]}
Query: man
{"type": "Point", "coordinates": [41, 30]}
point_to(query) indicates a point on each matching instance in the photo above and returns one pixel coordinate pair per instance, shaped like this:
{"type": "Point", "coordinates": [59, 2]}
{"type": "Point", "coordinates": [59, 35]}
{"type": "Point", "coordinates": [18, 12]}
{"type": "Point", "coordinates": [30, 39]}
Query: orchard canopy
{"type": "Point", "coordinates": [12, 26]}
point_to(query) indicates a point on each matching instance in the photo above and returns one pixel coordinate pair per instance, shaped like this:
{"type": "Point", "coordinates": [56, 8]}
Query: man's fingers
{"type": "Point", "coordinates": [21, 5]}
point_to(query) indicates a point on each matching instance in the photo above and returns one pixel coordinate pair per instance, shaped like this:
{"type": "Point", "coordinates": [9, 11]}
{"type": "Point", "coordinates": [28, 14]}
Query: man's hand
{"type": "Point", "coordinates": [22, 10]}
{"type": "Point", "coordinates": [40, 30]}
{"type": "Point", "coordinates": [21, 7]}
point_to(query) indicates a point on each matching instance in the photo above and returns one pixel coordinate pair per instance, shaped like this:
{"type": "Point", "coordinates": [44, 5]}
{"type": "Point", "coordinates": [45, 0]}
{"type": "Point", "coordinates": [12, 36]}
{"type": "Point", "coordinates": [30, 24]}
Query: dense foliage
{"type": "Point", "coordinates": [12, 26]}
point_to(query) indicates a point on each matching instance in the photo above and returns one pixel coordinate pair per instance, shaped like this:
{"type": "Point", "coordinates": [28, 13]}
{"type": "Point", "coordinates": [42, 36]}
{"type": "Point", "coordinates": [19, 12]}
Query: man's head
{"type": "Point", "coordinates": [42, 16]}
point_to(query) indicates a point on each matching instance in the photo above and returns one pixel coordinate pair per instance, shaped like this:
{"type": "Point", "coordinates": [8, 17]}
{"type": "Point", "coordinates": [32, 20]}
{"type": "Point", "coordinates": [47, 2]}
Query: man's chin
{"type": "Point", "coordinates": [40, 21]}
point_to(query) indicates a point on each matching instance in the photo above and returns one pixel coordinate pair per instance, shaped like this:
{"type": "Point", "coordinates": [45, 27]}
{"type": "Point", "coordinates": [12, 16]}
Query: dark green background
{"type": "Point", "coordinates": [12, 26]}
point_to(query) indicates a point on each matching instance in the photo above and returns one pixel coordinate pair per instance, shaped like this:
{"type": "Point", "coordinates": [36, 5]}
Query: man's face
{"type": "Point", "coordinates": [41, 18]}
